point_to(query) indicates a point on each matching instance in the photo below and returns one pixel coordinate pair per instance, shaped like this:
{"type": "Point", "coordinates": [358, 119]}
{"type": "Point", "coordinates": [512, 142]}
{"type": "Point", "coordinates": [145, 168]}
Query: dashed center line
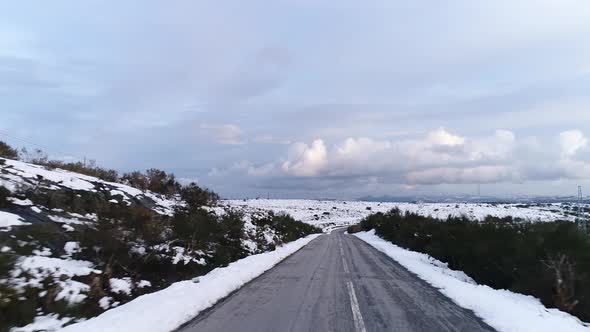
{"type": "Point", "coordinates": [359, 324]}
{"type": "Point", "coordinates": [346, 270]}
{"type": "Point", "coordinates": [357, 317]}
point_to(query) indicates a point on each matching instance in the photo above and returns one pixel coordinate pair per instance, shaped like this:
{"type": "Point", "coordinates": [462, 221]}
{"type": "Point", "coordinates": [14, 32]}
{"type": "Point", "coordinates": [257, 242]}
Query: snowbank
{"type": "Point", "coordinates": [501, 309]}
{"type": "Point", "coordinates": [43, 323]}
{"type": "Point", "coordinates": [169, 308]}
{"type": "Point", "coordinates": [9, 219]}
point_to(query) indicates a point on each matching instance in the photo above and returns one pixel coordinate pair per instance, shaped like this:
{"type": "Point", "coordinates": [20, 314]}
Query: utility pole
{"type": "Point", "coordinates": [580, 220]}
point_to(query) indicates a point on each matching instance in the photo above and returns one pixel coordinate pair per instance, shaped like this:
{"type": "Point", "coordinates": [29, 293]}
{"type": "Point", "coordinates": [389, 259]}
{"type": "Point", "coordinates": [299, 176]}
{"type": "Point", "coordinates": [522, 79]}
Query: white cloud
{"type": "Point", "coordinates": [440, 157]}
{"type": "Point", "coordinates": [306, 160]}
{"type": "Point", "coordinates": [479, 174]}
{"type": "Point", "coordinates": [494, 149]}
{"type": "Point", "coordinates": [574, 169]}
{"type": "Point", "coordinates": [571, 141]}
{"type": "Point", "coordinates": [442, 137]}
{"type": "Point", "coordinates": [224, 134]}
{"type": "Point", "coordinates": [270, 139]}
{"type": "Point", "coordinates": [241, 167]}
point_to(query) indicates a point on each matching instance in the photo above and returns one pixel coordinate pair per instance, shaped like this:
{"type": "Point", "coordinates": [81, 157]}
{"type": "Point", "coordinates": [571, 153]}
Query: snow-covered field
{"type": "Point", "coordinates": [503, 310]}
{"type": "Point", "coordinates": [331, 213]}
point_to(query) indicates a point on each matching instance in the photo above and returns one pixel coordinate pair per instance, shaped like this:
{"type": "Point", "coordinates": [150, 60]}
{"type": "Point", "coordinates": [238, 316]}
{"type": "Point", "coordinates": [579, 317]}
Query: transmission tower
{"type": "Point", "coordinates": [580, 218]}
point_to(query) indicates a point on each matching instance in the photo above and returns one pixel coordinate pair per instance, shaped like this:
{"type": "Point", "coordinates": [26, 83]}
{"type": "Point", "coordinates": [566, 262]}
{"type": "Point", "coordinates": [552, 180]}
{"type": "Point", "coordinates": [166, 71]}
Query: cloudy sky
{"type": "Point", "coordinates": [302, 98]}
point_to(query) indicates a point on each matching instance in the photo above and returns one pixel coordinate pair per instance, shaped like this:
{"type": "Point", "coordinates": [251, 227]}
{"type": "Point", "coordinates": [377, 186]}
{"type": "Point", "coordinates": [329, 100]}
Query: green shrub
{"type": "Point", "coordinates": [353, 229]}
{"type": "Point", "coordinates": [161, 182]}
{"type": "Point", "coordinates": [550, 261]}
{"type": "Point", "coordinates": [155, 180]}
{"type": "Point", "coordinates": [286, 228]}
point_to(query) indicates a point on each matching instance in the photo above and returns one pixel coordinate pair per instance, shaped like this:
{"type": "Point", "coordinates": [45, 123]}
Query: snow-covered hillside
{"type": "Point", "coordinates": [72, 245]}
{"type": "Point", "coordinates": [18, 176]}
{"type": "Point", "coordinates": [331, 213]}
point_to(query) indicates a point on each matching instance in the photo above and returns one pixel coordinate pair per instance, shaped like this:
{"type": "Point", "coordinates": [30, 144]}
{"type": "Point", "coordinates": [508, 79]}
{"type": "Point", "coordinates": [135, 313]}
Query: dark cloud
{"type": "Point", "coordinates": [193, 86]}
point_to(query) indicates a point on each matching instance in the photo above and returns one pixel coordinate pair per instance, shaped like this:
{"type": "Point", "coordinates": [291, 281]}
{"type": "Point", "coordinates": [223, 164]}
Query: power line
{"type": "Point", "coordinates": [43, 148]}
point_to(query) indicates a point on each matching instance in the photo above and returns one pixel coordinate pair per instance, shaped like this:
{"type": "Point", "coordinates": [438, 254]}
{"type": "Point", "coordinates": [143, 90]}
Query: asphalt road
{"type": "Point", "coordinates": [337, 283]}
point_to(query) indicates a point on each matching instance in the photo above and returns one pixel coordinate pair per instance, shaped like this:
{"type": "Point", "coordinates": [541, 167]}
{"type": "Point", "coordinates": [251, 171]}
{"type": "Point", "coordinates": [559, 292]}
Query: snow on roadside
{"type": "Point", "coordinates": [183, 300]}
{"type": "Point", "coordinates": [43, 323]}
{"type": "Point", "coordinates": [37, 268]}
{"type": "Point", "coordinates": [9, 219]}
{"type": "Point", "coordinates": [119, 286]}
{"type": "Point", "coordinates": [501, 309]}
{"type": "Point", "coordinates": [21, 202]}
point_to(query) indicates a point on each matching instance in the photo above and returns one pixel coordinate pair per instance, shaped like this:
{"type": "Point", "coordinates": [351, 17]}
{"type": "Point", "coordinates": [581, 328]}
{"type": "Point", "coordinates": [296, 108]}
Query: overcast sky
{"type": "Point", "coordinates": [308, 98]}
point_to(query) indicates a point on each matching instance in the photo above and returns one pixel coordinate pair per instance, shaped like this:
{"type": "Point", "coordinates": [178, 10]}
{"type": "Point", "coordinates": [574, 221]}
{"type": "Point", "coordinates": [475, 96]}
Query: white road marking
{"type": "Point", "coordinates": [359, 324]}
{"type": "Point", "coordinates": [346, 270]}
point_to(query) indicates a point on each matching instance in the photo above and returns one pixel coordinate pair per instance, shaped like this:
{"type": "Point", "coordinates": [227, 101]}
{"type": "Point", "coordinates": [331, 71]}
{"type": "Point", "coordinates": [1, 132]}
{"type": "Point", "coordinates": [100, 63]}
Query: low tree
{"type": "Point", "coordinates": [197, 197]}
{"type": "Point", "coordinates": [161, 182]}
{"type": "Point", "coordinates": [136, 179]}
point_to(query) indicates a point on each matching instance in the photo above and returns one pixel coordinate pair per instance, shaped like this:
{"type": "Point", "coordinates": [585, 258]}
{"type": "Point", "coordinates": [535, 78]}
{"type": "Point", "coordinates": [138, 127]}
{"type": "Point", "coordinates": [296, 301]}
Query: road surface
{"type": "Point", "coordinates": [336, 283]}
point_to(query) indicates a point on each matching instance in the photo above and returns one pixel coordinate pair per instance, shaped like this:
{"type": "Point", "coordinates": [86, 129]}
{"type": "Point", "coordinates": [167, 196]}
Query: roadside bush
{"type": "Point", "coordinates": [229, 240]}
{"type": "Point", "coordinates": [550, 261]}
{"type": "Point", "coordinates": [197, 230]}
{"type": "Point", "coordinates": [353, 229]}
{"type": "Point", "coordinates": [286, 228]}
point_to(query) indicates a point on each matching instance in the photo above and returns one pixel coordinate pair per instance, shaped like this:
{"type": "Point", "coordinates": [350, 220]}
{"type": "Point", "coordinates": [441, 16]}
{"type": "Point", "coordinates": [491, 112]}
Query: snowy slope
{"type": "Point", "coordinates": [42, 229]}
{"type": "Point", "coordinates": [15, 174]}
